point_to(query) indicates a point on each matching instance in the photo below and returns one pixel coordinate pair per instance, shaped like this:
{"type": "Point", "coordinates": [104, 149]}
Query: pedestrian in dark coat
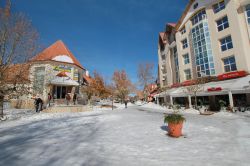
{"type": "Point", "coordinates": [74, 98]}
{"type": "Point", "coordinates": [49, 99]}
{"type": "Point", "coordinates": [126, 103]}
{"type": "Point", "coordinates": [38, 103]}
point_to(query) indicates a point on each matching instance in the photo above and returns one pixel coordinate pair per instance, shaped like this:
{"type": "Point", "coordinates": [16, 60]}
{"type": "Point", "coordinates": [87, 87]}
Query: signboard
{"type": "Point", "coordinates": [231, 75]}
{"type": "Point", "coordinates": [188, 83]}
{"type": "Point", "coordinates": [214, 89]}
{"type": "Point", "coordinates": [76, 75]}
{"type": "Point", "coordinates": [176, 85]}
{"type": "Point", "coordinates": [62, 68]}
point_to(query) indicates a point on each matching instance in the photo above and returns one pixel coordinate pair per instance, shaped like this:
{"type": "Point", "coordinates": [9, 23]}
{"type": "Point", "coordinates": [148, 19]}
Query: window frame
{"type": "Point", "coordinates": [188, 76]}
{"type": "Point", "coordinates": [217, 7]}
{"type": "Point", "coordinates": [247, 13]}
{"type": "Point", "coordinates": [186, 59]}
{"type": "Point", "coordinates": [229, 65]}
{"type": "Point", "coordinates": [198, 16]}
{"type": "Point", "coordinates": [183, 30]}
{"type": "Point", "coordinates": [222, 23]}
{"type": "Point", "coordinates": [184, 43]}
{"type": "Point", "coordinates": [226, 44]}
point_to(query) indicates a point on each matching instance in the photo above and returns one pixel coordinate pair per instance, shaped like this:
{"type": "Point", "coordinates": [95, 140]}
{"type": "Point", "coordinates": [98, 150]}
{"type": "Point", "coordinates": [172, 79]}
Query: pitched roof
{"type": "Point", "coordinates": [55, 50]}
{"type": "Point", "coordinates": [171, 24]}
{"type": "Point", "coordinates": [162, 37]}
{"type": "Point", "coordinates": [87, 78]}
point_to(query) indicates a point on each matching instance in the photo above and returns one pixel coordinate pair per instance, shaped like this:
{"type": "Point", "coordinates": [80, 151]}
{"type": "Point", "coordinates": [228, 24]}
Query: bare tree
{"type": "Point", "coordinates": [96, 87]}
{"type": "Point", "coordinates": [145, 76]}
{"type": "Point", "coordinates": [18, 43]}
{"type": "Point", "coordinates": [123, 85]}
{"type": "Point", "coordinates": [198, 86]}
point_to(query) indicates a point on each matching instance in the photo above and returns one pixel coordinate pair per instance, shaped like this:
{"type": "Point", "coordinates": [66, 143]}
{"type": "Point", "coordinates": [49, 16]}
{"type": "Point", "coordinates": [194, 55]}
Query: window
{"type": "Point", "coordinates": [229, 64]}
{"type": "Point", "coordinates": [198, 17]}
{"type": "Point", "coordinates": [222, 23]}
{"type": "Point", "coordinates": [39, 78]}
{"type": "Point", "coordinates": [176, 62]}
{"type": "Point", "coordinates": [186, 59]}
{"type": "Point", "coordinates": [195, 5]}
{"type": "Point", "coordinates": [183, 30]}
{"type": "Point", "coordinates": [201, 42]}
{"type": "Point", "coordinates": [187, 74]}
{"type": "Point", "coordinates": [184, 43]}
{"type": "Point", "coordinates": [248, 13]}
{"type": "Point", "coordinates": [219, 6]}
{"type": "Point", "coordinates": [226, 43]}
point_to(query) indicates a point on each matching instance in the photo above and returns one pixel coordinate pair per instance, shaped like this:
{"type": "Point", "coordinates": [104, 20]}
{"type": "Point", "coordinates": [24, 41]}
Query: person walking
{"type": "Point", "coordinates": [68, 98]}
{"type": "Point", "coordinates": [74, 98]}
{"type": "Point", "coordinates": [49, 99]}
{"type": "Point", "coordinates": [38, 103]}
{"type": "Point", "coordinates": [126, 103]}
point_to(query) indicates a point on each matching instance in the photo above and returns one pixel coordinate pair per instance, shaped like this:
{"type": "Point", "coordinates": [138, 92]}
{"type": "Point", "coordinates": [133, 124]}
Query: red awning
{"type": "Point", "coordinates": [62, 74]}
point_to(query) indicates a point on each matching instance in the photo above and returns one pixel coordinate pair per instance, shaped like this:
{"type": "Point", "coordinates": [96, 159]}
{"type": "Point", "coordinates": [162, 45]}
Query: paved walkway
{"type": "Point", "coordinates": [133, 136]}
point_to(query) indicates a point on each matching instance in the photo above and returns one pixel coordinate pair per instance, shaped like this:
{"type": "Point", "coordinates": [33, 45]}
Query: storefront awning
{"type": "Point", "coordinates": [236, 86]}
{"type": "Point", "coordinates": [65, 81]}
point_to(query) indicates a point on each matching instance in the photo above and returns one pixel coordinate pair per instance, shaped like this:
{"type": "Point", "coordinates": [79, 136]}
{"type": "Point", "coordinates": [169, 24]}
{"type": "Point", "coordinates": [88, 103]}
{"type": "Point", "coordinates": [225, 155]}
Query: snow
{"type": "Point", "coordinates": [157, 107]}
{"type": "Point", "coordinates": [133, 136]}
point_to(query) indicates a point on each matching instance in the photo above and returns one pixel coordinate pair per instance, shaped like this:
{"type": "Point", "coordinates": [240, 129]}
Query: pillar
{"type": "Point", "coordinates": [157, 100]}
{"type": "Point", "coordinates": [231, 101]}
{"type": "Point", "coordinates": [189, 101]}
{"type": "Point", "coordinates": [171, 100]}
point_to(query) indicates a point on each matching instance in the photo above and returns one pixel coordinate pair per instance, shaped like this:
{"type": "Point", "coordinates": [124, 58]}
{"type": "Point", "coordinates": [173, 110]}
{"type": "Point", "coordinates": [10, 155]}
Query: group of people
{"type": "Point", "coordinates": [38, 102]}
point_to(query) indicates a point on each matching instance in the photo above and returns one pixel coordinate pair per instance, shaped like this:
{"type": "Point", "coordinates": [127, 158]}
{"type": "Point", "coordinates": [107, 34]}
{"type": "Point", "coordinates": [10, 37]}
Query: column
{"type": "Point", "coordinates": [171, 100]}
{"type": "Point", "coordinates": [157, 100]}
{"type": "Point", "coordinates": [189, 101]}
{"type": "Point", "coordinates": [231, 101]}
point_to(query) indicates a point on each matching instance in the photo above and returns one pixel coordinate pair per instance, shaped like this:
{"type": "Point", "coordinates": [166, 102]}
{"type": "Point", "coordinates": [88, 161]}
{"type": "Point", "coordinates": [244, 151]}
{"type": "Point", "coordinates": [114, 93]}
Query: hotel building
{"type": "Point", "coordinates": [212, 38]}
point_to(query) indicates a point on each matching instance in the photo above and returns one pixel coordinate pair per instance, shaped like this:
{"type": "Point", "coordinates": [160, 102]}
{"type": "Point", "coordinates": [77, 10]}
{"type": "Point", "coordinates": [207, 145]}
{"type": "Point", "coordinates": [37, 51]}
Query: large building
{"type": "Point", "coordinates": [55, 70]}
{"type": "Point", "coordinates": [212, 38]}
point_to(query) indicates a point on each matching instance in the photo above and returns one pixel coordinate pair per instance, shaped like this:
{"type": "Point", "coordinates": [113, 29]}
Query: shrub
{"type": "Point", "coordinates": [174, 118]}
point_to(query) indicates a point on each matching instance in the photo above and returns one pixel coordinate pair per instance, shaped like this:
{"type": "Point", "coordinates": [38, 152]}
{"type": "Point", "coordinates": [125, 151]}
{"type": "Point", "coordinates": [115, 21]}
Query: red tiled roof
{"type": "Point", "coordinates": [58, 48]}
{"type": "Point", "coordinates": [62, 74]}
{"type": "Point", "coordinates": [162, 37]}
{"type": "Point", "coordinates": [87, 78]}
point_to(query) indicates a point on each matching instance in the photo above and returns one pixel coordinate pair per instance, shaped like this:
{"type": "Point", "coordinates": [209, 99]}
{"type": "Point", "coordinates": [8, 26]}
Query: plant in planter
{"type": "Point", "coordinates": [175, 123]}
{"type": "Point", "coordinates": [222, 104]}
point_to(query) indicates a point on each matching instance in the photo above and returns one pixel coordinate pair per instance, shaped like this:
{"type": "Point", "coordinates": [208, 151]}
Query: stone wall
{"type": "Point", "coordinates": [22, 104]}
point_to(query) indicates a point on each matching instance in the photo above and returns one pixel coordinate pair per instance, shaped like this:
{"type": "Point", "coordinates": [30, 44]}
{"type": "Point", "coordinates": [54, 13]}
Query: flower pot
{"type": "Point", "coordinates": [175, 129]}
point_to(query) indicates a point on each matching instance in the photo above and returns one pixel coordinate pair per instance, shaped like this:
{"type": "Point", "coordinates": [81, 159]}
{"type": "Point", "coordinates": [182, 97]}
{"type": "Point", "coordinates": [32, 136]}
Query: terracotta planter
{"type": "Point", "coordinates": [175, 130]}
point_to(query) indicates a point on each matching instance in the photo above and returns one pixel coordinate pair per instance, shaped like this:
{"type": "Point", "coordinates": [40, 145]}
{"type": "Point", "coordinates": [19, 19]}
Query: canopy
{"type": "Point", "coordinates": [239, 85]}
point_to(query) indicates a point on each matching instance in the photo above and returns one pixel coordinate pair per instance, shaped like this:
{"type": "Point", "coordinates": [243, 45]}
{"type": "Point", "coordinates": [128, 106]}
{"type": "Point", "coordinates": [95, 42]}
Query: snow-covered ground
{"type": "Point", "coordinates": [133, 136]}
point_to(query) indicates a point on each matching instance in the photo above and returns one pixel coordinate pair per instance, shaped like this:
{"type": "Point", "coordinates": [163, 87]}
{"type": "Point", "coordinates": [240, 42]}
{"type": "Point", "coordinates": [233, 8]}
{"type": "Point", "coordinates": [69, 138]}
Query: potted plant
{"type": "Point", "coordinates": [175, 123]}
{"type": "Point", "coordinates": [222, 104]}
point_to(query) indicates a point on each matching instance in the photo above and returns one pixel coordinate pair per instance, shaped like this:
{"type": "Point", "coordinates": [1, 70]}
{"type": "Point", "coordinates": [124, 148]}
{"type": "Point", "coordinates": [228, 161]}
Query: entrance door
{"type": "Point", "coordinates": [58, 92]}
{"type": "Point", "coordinates": [63, 92]}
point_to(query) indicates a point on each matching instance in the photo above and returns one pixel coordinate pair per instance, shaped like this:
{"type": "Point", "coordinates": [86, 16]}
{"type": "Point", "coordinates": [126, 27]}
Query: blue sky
{"type": "Point", "coordinates": [104, 35]}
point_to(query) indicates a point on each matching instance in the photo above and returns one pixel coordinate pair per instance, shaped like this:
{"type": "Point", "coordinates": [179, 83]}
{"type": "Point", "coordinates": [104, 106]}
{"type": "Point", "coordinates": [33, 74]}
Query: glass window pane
{"type": "Point", "coordinates": [227, 68]}
{"type": "Point", "coordinates": [233, 67]}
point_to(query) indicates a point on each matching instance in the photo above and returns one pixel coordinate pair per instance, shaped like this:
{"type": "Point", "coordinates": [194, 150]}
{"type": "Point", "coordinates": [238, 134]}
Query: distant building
{"type": "Point", "coordinates": [55, 70]}
{"type": "Point", "coordinates": [212, 38]}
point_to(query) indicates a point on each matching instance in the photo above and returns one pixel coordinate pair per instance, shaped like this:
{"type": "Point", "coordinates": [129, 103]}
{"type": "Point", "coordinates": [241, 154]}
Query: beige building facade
{"type": "Point", "coordinates": [211, 39]}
